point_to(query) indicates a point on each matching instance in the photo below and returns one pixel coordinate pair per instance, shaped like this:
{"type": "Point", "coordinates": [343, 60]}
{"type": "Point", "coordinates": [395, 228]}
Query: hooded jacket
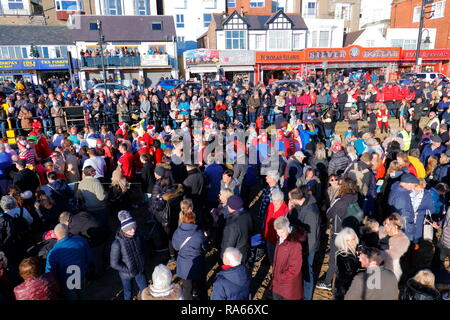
{"type": "Point", "coordinates": [232, 284]}
{"type": "Point", "coordinates": [338, 211]}
{"type": "Point", "coordinates": [287, 267]}
{"type": "Point", "coordinates": [190, 260]}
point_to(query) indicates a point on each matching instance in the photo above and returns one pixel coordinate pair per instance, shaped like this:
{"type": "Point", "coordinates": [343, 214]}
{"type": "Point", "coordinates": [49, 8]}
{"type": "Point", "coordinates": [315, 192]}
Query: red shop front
{"type": "Point", "coordinates": [435, 60]}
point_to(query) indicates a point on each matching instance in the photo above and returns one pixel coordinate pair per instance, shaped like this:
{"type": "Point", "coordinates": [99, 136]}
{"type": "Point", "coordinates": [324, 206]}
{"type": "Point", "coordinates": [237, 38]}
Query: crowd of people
{"type": "Point", "coordinates": [374, 199]}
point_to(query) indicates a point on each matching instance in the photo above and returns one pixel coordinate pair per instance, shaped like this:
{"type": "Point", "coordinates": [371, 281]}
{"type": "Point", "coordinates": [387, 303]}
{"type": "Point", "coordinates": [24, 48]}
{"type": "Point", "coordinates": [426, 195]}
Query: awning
{"type": "Point", "coordinates": [237, 68]}
{"type": "Point", "coordinates": [194, 69]}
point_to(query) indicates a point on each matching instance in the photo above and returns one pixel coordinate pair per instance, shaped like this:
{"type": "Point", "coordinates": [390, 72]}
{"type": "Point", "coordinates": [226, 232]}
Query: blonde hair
{"type": "Point", "coordinates": [342, 237]}
{"type": "Point", "coordinates": [118, 179]}
{"type": "Point", "coordinates": [186, 206]}
{"type": "Point", "coordinates": [425, 277]}
{"type": "Point", "coordinates": [432, 163]}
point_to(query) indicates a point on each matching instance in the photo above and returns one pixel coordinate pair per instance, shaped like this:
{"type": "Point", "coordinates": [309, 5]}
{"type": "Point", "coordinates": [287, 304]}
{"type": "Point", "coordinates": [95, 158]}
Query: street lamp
{"type": "Point", "coordinates": [419, 39]}
{"type": "Point", "coordinates": [101, 41]}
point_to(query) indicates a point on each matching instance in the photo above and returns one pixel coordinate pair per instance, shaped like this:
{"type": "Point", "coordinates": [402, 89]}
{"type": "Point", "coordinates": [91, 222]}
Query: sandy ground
{"type": "Point", "coordinates": [109, 286]}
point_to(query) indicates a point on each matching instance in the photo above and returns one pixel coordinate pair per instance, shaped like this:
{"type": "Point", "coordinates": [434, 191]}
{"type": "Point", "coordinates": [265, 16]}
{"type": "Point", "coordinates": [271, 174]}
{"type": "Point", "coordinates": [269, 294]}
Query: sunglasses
{"type": "Point", "coordinates": [331, 180]}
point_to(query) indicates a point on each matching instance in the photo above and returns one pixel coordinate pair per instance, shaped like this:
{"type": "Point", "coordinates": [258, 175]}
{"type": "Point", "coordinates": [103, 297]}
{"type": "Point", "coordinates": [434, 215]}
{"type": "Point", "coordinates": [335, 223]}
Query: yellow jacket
{"type": "Point", "coordinates": [420, 169]}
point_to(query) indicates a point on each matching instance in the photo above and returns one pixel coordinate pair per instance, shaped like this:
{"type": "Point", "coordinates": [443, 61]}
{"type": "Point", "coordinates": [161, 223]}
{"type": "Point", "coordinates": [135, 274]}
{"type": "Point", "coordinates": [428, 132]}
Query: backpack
{"type": "Point", "coordinates": [352, 219]}
{"type": "Point", "coordinates": [20, 226]}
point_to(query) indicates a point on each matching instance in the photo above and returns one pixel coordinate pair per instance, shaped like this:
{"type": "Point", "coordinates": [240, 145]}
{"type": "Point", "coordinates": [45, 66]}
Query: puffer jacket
{"type": "Point", "coordinates": [417, 291]}
{"type": "Point", "coordinates": [338, 163]}
{"type": "Point", "coordinates": [127, 255]}
{"type": "Point", "coordinates": [190, 260]}
{"type": "Point", "coordinates": [43, 287]}
{"type": "Point", "coordinates": [232, 284]}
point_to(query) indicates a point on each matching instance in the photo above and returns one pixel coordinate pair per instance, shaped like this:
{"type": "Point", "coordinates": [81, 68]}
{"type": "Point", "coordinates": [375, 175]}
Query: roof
{"type": "Point", "coordinates": [351, 37]}
{"type": "Point", "coordinates": [125, 28]}
{"type": "Point", "coordinates": [259, 22]}
{"type": "Point", "coordinates": [34, 34]}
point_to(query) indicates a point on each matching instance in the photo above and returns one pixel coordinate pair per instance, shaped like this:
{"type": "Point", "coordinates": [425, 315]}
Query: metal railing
{"type": "Point", "coordinates": [96, 62]}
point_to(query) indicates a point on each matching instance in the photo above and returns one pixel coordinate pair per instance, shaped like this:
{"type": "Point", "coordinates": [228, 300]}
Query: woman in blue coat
{"type": "Point", "coordinates": [422, 202]}
{"type": "Point", "coordinates": [190, 242]}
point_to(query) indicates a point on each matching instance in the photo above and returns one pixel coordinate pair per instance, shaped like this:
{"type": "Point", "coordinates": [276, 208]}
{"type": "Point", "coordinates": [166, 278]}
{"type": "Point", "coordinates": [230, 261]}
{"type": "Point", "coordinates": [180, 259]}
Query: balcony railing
{"type": "Point", "coordinates": [136, 61]}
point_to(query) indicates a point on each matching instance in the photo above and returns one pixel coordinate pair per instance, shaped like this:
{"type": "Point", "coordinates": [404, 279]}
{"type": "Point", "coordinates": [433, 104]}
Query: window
{"type": "Point", "coordinates": [311, 9]}
{"type": "Point", "coordinates": [180, 20]}
{"type": "Point", "coordinates": [142, 7]}
{"type": "Point", "coordinates": [93, 26]}
{"type": "Point", "coordinates": [236, 23]}
{"type": "Point", "coordinates": [343, 11]}
{"type": "Point", "coordinates": [235, 39]}
{"type": "Point", "coordinates": [12, 53]}
{"type": "Point", "coordinates": [280, 23]}
{"type": "Point", "coordinates": [209, 4]}
{"type": "Point", "coordinates": [370, 43]}
{"type": "Point", "coordinates": [24, 53]}
{"type": "Point", "coordinates": [68, 5]}
{"type": "Point", "coordinates": [180, 42]}
{"type": "Point", "coordinates": [64, 51]}
{"type": "Point", "coordinates": [5, 54]}
{"type": "Point", "coordinates": [15, 4]}
{"type": "Point", "coordinates": [156, 26]}
{"type": "Point", "coordinates": [410, 44]}
{"type": "Point", "coordinates": [206, 19]}
{"type": "Point", "coordinates": [231, 3]}
{"type": "Point", "coordinates": [43, 52]}
{"type": "Point", "coordinates": [416, 14]}
{"type": "Point", "coordinates": [397, 43]}
{"type": "Point", "coordinates": [438, 8]}
{"type": "Point", "coordinates": [257, 4]}
{"type": "Point", "coordinates": [58, 52]}
{"type": "Point", "coordinates": [114, 7]}
{"type": "Point", "coordinates": [279, 39]}
{"type": "Point", "coordinates": [324, 37]}
{"type": "Point", "coordinates": [298, 41]}
{"type": "Point", "coordinates": [259, 42]}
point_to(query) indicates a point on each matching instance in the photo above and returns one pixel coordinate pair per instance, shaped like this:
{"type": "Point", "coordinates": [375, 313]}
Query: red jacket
{"type": "Point", "coordinates": [127, 165]}
{"type": "Point", "coordinates": [44, 287]}
{"type": "Point", "coordinates": [388, 93]}
{"type": "Point", "coordinates": [287, 267]}
{"type": "Point", "coordinates": [269, 231]}
{"type": "Point", "coordinates": [380, 95]}
{"type": "Point", "coordinates": [398, 95]}
{"type": "Point", "coordinates": [148, 140]}
{"type": "Point", "coordinates": [159, 153]}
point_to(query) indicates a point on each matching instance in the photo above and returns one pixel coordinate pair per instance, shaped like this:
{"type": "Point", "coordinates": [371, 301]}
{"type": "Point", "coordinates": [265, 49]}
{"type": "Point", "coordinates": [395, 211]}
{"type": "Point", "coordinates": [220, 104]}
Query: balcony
{"type": "Point", "coordinates": [160, 60]}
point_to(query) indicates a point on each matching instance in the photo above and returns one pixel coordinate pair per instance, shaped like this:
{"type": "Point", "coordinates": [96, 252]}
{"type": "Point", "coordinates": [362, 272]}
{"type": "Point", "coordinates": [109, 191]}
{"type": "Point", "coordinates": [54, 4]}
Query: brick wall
{"type": "Point", "coordinates": [402, 12]}
{"type": "Point", "coordinates": [266, 10]}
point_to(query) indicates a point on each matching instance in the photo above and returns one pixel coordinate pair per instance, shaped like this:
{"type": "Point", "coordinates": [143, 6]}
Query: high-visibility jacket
{"type": "Point", "coordinates": [420, 169]}
{"type": "Point", "coordinates": [406, 136]}
{"type": "Point", "coordinates": [432, 122]}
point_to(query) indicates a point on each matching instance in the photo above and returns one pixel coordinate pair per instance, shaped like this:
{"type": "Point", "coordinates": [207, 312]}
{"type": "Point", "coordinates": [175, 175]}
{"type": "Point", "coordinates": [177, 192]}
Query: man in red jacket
{"type": "Point", "coordinates": [126, 161]}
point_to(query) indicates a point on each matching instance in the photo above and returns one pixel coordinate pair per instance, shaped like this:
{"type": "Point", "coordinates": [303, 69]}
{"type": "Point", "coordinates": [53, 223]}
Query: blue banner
{"type": "Point", "coordinates": [34, 64]}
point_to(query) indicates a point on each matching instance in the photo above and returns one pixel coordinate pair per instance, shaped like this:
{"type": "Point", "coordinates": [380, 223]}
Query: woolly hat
{"type": "Point", "coordinates": [22, 143]}
{"type": "Point", "coordinates": [100, 142]}
{"type": "Point", "coordinates": [336, 147]}
{"type": "Point", "coordinates": [235, 203]}
{"type": "Point", "coordinates": [150, 127]}
{"type": "Point", "coordinates": [121, 123]}
{"type": "Point", "coordinates": [126, 221]}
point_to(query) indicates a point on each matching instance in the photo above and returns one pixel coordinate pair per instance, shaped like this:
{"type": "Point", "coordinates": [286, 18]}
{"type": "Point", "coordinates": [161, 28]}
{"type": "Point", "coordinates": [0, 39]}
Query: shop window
{"type": "Point", "coordinates": [15, 4]}
{"type": "Point", "coordinates": [235, 39]}
{"type": "Point", "coordinates": [180, 20]}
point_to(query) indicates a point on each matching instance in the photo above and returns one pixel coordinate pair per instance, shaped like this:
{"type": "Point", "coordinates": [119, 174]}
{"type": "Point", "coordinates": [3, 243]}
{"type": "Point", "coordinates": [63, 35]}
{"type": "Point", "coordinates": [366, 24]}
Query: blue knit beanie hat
{"type": "Point", "coordinates": [127, 222]}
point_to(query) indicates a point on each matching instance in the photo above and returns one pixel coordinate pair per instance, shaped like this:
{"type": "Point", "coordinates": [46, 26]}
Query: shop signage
{"type": "Point", "coordinates": [33, 64]}
{"type": "Point", "coordinates": [280, 57]}
{"type": "Point", "coordinates": [201, 57]}
{"type": "Point", "coordinates": [353, 53]}
{"type": "Point", "coordinates": [439, 54]}
{"type": "Point", "coordinates": [148, 60]}
{"type": "Point", "coordinates": [237, 58]}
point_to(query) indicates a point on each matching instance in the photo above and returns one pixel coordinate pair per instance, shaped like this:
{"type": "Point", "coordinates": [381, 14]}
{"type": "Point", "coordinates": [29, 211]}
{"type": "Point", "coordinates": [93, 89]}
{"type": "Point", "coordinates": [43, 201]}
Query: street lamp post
{"type": "Point", "coordinates": [419, 39]}
{"type": "Point", "coordinates": [100, 42]}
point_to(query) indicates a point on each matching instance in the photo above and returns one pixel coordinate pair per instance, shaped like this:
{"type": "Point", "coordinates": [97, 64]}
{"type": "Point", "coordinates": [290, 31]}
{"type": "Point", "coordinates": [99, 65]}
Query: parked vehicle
{"type": "Point", "coordinates": [115, 86]}
{"type": "Point", "coordinates": [169, 84]}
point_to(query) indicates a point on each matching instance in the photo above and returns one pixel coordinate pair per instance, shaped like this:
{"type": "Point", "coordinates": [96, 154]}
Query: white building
{"type": "Point", "coordinates": [369, 38]}
{"type": "Point", "coordinates": [375, 14]}
{"type": "Point", "coordinates": [125, 7]}
{"type": "Point", "coordinates": [192, 18]}
{"type": "Point", "coordinates": [288, 6]}
{"type": "Point", "coordinates": [324, 33]}
{"type": "Point", "coordinates": [407, 38]}
{"type": "Point", "coordinates": [278, 32]}
{"type": "Point", "coordinates": [144, 34]}
{"type": "Point", "coordinates": [16, 7]}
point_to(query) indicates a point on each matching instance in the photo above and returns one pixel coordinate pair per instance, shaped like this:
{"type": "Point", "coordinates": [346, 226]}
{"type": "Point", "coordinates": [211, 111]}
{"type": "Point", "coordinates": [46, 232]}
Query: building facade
{"type": "Point", "coordinates": [21, 12]}
{"type": "Point", "coordinates": [324, 33]}
{"type": "Point", "coordinates": [151, 38]}
{"type": "Point", "coordinates": [406, 14]}
{"type": "Point", "coordinates": [34, 53]}
{"type": "Point", "coordinates": [348, 10]}
{"type": "Point", "coordinates": [375, 14]}
{"type": "Point", "coordinates": [263, 7]}
{"type": "Point", "coordinates": [192, 19]}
